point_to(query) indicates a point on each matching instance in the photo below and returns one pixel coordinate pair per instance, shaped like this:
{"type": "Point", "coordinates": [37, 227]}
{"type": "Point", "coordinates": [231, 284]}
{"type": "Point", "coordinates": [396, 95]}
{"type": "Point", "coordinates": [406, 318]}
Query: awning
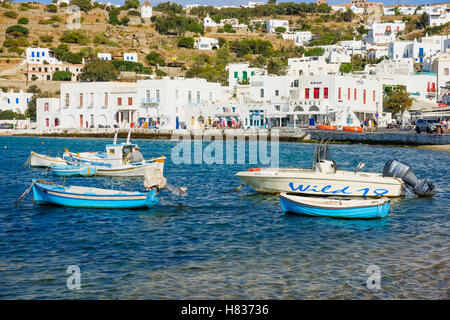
{"type": "Point", "coordinates": [420, 105]}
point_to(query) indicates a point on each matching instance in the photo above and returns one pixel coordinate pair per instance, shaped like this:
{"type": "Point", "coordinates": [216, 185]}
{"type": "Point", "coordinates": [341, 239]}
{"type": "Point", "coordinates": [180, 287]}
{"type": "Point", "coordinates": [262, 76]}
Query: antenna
{"type": "Point", "coordinates": [115, 137]}
{"type": "Point", "coordinates": [128, 137]}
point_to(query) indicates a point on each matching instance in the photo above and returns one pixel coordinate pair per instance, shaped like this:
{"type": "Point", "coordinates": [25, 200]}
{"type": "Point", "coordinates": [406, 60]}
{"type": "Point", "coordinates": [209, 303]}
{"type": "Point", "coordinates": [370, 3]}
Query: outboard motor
{"type": "Point", "coordinates": [398, 169]}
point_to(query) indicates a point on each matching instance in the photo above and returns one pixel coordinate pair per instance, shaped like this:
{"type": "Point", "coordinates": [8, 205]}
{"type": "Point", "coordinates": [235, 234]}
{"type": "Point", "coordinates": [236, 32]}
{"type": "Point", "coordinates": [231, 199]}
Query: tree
{"type": "Point", "coordinates": [84, 5]}
{"type": "Point", "coordinates": [22, 21]}
{"type": "Point", "coordinates": [11, 14]}
{"type": "Point", "coordinates": [280, 29]}
{"type": "Point", "coordinates": [396, 99]}
{"type": "Point", "coordinates": [62, 76]}
{"type": "Point", "coordinates": [345, 67]}
{"type": "Point", "coordinates": [97, 69]}
{"type": "Point", "coordinates": [155, 59]}
{"type": "Point", "coordinates": [277, 67]}
{"type": "Point", "coordinates": [422, 22]}
{"type": "Point", "coordinates": [186, 42]}
{"type": "Point", "coordinates": [17, 31]}
{"type": "Point", "coordinates": [348, 15]}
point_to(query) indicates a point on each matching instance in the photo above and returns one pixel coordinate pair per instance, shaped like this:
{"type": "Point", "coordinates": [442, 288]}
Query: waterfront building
{"type": "Point", "coordinates": [146, 10]}
{"type": "Point", "coordinates": [14, 101]}
{"type": "Point", "coordinates": [441, 67]}
{"type": "Point", "coordinates": [41, 55]}
{"type": "Point", "coordinates": [146, 103]}
{"type": "Point", "coordinates": [204, 43]}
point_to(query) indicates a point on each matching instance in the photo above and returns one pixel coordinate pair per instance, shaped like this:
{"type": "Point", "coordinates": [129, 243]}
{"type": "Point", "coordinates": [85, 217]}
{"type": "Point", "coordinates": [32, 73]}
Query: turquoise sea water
{"type": "Point", "coordinates": [222, 246]}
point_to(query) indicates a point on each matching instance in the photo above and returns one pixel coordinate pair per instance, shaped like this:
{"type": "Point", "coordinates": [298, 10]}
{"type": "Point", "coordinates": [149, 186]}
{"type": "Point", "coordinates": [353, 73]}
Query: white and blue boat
{"type": "Point", "coordinates": [87, 197]}
{"type": "Point", "coordinates": [73, 170]}
{"type": "Point", "coordinates": [335, 208]}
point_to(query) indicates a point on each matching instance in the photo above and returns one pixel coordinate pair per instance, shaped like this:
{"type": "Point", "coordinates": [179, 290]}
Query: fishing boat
{"type": "Point", "coordinates": [66, 170]}
{"type": "Point", "coordinates": [128, 169]}
{"type": "Point", "coordinates": [335, 208]}
{"type": "Point", "coordinates": [115, 161]}
{"type": "Point", "coordinates": [88, 197]}
{"type": "Point", "coordinates": [114, 154]}
{"type": "Point", "coordinates": [326, 180]}
{"type": "Point", "coordinates": [42, 160]}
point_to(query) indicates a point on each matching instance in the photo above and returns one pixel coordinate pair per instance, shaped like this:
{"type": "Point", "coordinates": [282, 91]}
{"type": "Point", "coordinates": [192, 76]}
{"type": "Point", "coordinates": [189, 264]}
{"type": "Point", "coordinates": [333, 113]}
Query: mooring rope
{"type": "Point", "coordinates": [236, 189]}
{"type": "Point", "coordinates": [258, 203]}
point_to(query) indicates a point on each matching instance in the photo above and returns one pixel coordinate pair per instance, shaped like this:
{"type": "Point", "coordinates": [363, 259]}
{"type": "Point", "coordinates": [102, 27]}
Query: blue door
{"type": "Point", "coordinates": [177, 124]}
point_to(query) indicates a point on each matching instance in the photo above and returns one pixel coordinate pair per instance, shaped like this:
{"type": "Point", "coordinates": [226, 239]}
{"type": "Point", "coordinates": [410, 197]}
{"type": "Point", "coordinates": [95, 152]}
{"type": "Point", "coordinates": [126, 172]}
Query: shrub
{"type": "Point", "coordinates": [186, 42]}
{"type": "Point", "coordinates": [17, 31]}
{"type": "Point", "coordinates": [51, 8]}
{"type": "Point", "coordinates": [75, 36]}
{"type": "Point", "coordinates": [11, 14]}
{"type": "Point", "coordinates": [133, 13]}
{"type": "Point", "coordinates": [280, 30]}
{"type": "Point", "coordinates": [62, 76]}
{"type": "Point", "coordinates": [46, 38]}
{"type": "Point", "coordinates": [128, 66]}
{"type": "Point", "coordinates": [154, 58]}
{"type": "Point", "coordinates": [160, 73]}
{"type": "Point", "coordinates": [22, 21]}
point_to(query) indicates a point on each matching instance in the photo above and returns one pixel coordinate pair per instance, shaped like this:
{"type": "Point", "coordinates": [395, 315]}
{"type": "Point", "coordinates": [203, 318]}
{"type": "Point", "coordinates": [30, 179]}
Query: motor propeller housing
{"type": "Point", "coordinates": [398, 169]}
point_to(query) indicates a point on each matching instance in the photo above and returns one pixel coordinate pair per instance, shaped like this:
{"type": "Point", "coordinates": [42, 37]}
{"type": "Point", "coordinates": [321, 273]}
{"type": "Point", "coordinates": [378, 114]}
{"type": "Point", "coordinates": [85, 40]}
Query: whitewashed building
{"type": "Point", "coordinates": [238, 72]}
{"type": "Point", "coordinates": [209, 22]}
{"type": "Point", "coordinates": [130, 56]}
{"type": "Point", "coordinates": [385, 32]}
{"type": "Point", "coordinates": [438, 16]}
{"type": "Point", "coordinates": [14, 101]}
{"type": "Point", "coordinates": [39, 55]}
{"type": "Point", "coordinates": [146, 103]}
{"type": "Point", "coordinates": [204, 43]}
{"type": "Point", "coordinates": [146, 10]}
{"type": "Point", "coordinates": [311, 66]}
{"type": "Point", "coordinates": [104, 56]}
{"type": "Point", "coordinates": [302, 37]}
{"type": "Point", "coordinates": [272, 24]}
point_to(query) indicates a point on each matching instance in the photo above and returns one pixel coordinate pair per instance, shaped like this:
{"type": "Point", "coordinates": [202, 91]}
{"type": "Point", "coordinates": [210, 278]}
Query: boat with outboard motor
{"type": "Point", "coordinates": [324, 179]}
{"type": "Point", "coordinates": [87, 197]}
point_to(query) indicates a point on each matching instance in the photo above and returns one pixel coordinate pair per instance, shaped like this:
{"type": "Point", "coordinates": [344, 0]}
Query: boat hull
{"type": "Point", "coordinates": [342, 183]}
{"type": "Point", "coordinates": [42, 160]}
{"type": "Point", "coordinates": [59, 195]}
{"type": "Point", "coordinates": [71, 170]}
{"type": "Point", "coordinates": [128, 170]}
{"type": "Point", "coordinates": [378, 211]}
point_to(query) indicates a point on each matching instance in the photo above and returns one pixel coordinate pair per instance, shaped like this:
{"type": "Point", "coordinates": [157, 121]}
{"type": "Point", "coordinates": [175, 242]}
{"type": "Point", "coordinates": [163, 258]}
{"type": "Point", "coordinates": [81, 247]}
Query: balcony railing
{"type": "Point", "coordinates": [196, 101]}
{"type": "Point", "coordinates": [150, 101]}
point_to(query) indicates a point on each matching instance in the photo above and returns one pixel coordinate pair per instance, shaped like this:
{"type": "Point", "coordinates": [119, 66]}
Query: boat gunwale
{"type": "Point", "coordinates": [61, 193]}
{"type": "Point", "coordinates": [285, 197]}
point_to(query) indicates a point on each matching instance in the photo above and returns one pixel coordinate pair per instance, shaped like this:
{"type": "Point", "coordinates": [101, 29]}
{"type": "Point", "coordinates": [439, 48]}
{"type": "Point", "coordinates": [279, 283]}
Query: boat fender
{"type": "Point", "coordinates": [254, 169]}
